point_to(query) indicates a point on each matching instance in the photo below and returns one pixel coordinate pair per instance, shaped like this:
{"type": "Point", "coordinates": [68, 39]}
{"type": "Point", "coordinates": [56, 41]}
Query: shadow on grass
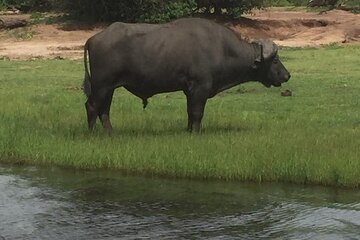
{"type": "Point", "coordinates": [176, 130]}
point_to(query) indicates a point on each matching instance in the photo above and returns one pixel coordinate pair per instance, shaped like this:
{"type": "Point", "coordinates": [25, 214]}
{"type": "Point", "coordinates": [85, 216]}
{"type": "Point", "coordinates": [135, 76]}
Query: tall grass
{"type": "Point", "coordinates": [250, 132]}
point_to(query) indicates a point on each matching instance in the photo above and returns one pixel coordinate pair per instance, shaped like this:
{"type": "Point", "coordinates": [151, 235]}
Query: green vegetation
{"type": "Point", "coordinates": [135, 10]}
{"type": "Point", "coordinates": [25, 33]}
{"type": "Point", "coordinates": [250, 132]}
{"type": "Point", "coordinates": [285, 3]}
{"type": "Point", "coordinates": [156, 11]}
{"type": "Point", "coordinates": [26, 5]}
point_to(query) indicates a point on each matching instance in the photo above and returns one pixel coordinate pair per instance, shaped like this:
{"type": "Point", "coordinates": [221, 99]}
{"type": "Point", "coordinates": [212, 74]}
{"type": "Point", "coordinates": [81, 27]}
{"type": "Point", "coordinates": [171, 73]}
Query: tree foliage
{"type": "Point", "coordinates": [138, 10]}
{"type": "Point", "coordinates": [156, 10]}
{"type": "Point", "coordinates": [41, 5]}
{"type": "Point", "coordinates": [232, 8]}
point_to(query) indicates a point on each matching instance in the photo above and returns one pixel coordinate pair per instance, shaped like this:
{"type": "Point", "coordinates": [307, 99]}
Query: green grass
{"type": "Point", "coordinates": [251, 133]}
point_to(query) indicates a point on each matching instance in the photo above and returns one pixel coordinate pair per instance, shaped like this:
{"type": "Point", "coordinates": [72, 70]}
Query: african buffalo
{"type": "Point", "coordinates": [193, 55]}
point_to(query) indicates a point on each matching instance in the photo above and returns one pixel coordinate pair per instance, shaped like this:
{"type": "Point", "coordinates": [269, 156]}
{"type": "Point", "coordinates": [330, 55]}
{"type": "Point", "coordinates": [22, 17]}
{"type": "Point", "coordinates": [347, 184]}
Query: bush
{"type": "Point", "coordinates": [153, 10]}
{"type": "Point", "coordinates": [127, 10]}
{"type": "Point", "coordinates": [138, 10]}
{"type": "Point", "coordinates": [171, 10]}
{"type": "Point", "coordinates": [27, 5]}
{"type": "Point", "coordinates": [233, 8]}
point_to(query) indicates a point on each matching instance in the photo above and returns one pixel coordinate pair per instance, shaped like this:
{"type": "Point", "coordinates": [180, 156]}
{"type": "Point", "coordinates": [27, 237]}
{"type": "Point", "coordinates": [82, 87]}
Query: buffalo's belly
{"type": "Point", "coordinates": [145, 87]}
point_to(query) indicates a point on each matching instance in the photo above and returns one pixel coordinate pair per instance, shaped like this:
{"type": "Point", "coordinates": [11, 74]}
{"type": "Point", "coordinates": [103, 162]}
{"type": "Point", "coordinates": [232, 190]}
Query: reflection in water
{"type": "Point", "coordinates": [38, 203]}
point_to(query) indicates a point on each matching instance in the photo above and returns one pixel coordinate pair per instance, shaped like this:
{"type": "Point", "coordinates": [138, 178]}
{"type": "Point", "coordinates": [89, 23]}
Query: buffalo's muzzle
{"type": "Point", "coordinates": [287, 77]}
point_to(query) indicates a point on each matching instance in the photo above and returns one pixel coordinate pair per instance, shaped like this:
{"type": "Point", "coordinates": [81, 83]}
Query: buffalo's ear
{"type": "Point", "coordinates": [258, 55]}
{"type": "Point", "coordinates": [268, 49]}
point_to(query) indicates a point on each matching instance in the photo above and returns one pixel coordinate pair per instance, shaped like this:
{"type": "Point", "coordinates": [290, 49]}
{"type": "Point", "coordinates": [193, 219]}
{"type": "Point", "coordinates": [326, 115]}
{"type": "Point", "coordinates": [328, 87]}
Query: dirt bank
{"type": "Point", "coordinates": [287, 28]}
{"type": "Point", "coordinates": [300, 28]}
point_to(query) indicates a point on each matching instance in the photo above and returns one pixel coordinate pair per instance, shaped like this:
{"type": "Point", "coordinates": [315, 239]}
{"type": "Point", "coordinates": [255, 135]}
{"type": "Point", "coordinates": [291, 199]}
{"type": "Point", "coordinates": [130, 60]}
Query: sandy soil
{"type": "Point", "coordinates": [300, 28]}
{"type": "Point", "coordinates": [286, 28]}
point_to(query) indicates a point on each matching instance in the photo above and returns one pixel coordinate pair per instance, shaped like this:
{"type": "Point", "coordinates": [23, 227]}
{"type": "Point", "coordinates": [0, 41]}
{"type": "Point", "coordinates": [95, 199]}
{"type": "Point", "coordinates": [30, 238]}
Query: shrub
{"type": "Point", "coordinates": [138, 10]}
{"type": "Point", "coordinates": [153, 10]}
{"type": "Point", "coordinates": [26, 5]}
{"type": "Point", "coordinates": [233, 8]}
{"type": "Point", "coordinates": [171, 10]}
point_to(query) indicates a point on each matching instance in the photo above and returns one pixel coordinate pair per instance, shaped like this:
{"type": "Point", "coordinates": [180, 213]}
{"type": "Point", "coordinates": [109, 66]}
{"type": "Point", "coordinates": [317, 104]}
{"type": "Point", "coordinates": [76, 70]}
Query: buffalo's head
{"type": "Point", "coordinates": [269, 69]}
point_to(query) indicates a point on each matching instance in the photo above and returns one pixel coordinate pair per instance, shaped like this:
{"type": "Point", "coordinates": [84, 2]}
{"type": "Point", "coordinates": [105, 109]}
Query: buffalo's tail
{"type": "Point", "coordinates": [87, 83]}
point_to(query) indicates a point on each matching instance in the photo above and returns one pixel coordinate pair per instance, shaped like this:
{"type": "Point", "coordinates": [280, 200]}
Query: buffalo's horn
{"type": "Point", "coordinates": [269, 49]}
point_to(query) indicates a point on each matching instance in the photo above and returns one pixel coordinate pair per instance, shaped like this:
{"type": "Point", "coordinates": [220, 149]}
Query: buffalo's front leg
{"type": "Point", "coordinates": [196, 114]}
{"type": "Point", "coordinates": [189, 112]}
{"type": "Point", "coordinates": [196, 100]}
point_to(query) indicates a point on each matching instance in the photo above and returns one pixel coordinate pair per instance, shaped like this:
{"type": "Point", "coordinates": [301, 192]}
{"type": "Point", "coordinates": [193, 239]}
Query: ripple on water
{"type": "Point", "coordinates": [35, 204]}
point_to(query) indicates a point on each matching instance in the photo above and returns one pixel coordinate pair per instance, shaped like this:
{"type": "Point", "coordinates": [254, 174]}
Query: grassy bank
{"type": "Point", "coordinates": [250, 132]}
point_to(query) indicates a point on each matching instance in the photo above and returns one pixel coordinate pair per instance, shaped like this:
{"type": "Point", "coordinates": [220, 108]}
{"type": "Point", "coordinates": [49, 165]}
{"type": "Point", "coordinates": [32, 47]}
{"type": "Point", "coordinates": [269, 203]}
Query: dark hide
{"type": "Point", "coordinates": [196, 56]}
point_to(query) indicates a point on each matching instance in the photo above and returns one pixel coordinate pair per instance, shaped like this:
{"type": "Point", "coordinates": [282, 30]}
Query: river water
{"type": "Point", "coordinates": [51, 203]}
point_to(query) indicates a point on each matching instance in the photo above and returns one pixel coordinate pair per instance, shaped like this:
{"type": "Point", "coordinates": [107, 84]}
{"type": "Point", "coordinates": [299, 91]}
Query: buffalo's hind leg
{"type": "Point", "coordinates": [104, 111]}
{"type": "Point", "coordinates": [91, 114]}
{"type": "Point", "coordinates": [98, 105]}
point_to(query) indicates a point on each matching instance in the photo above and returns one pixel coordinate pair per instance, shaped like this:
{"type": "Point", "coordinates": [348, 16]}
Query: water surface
{"type": "Point", "coordinates": [52, 203]}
